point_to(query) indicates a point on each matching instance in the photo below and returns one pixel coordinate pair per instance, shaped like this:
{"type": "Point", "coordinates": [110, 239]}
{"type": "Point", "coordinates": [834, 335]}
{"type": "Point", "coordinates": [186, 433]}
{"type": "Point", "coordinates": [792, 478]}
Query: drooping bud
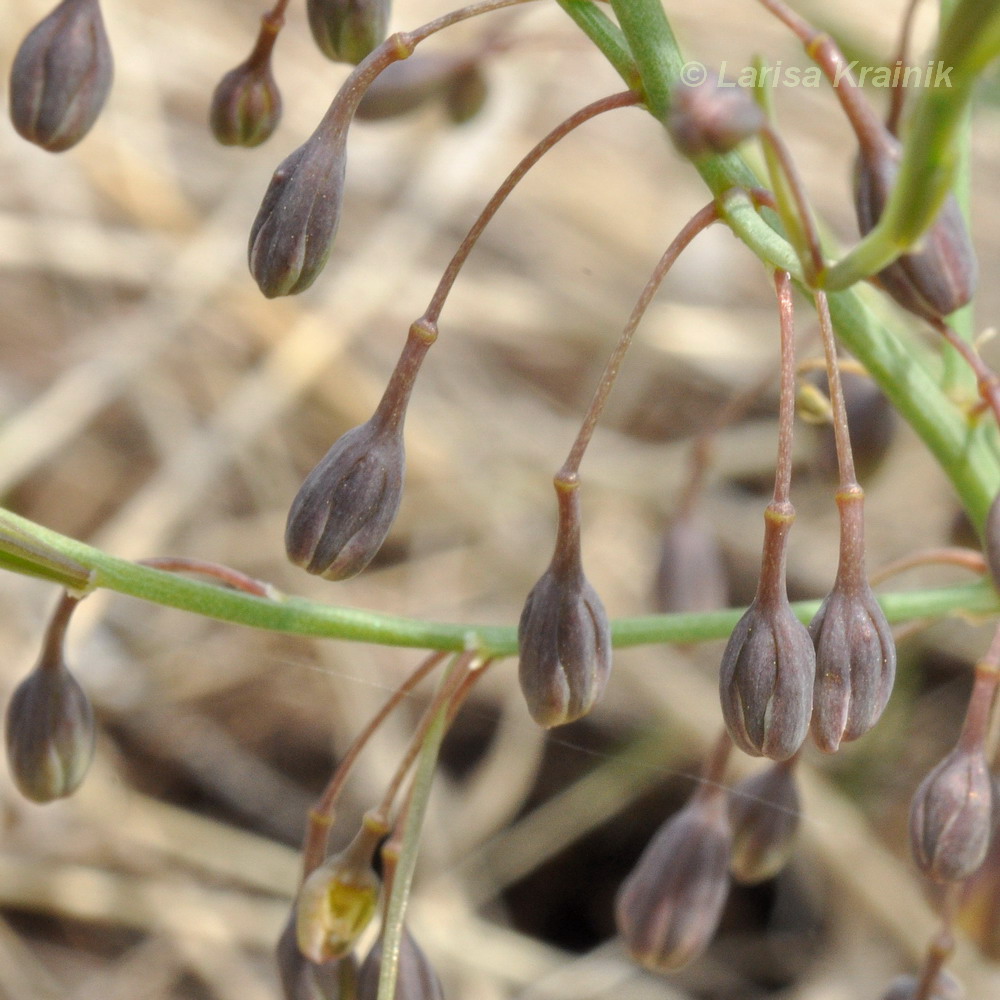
{"type": "Point", "coordinates": [343, 511]}
{"type": "Point", "coordinates": [305, 980]}
{"type": "Point", "coordinates": [764, 813]}
{"type": "Point", "coordinates": [338, 900]}
{"type": "Point", "coordinates": [691, 575]}
{"type": "Point", "coordinates": [563, 635]}
{"type": "Point", "coordinates": [466, 93]}
{"type": "Point", "coordinates": [706, 118]}
{"type": "Point", "coordinates": [246, 105]}
{"type": "Point", "coordinates": [415, 976]}
{"type": "Point", "coordinates": [291, 237]}
{"type": "Point", "coordinates": [669, 907]}
{"type": "Point", "coordinates": [855, 650]}
{"type": "Point", "coordinates": [50, 722]}
{"type": "Point", "coordinates": [61, 76]}
{"type": "Point", "coordinates": [348, 30]}
{"type": "Point", "coordinates": [769, 664]}
{"type": "Point", "coordinates": [946, 987]}
{"type": "Point", "coordinates": [941, 276]}
{"type": "Point", "coordinates": [951, 816]}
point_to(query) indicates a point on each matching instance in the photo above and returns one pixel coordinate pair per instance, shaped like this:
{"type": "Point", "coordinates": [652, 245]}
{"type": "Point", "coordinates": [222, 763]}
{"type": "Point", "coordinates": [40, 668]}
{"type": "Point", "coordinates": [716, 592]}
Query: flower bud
{"type": "Point", "coordinates": [348, 30]}
{"type": "Point", "coordinates": [769, 664]}
{"type": "Point", "coordinates": [291, 236]}
{"type": "Point", "coordinates": [669, 907]}
{"type": "Point", "coordinates": [691, 575]}
{"type": "Point", "coordinates": [50, 722]}
{"type": "Point", "coordinates": [940, 277]}
{"type": "Point", "coordinates": [338, 900]}
{"type": "Point", "coordinates": [246, 105]}
{"type": "Point", "coordinates": [345, 508]}
{"type": "Point", "coordinates": [946, 987]}
{"type": "Point", "coordinates": [415, 976]}
{"type": "Point", "coordinates": [855, 665]}
{"type": "Point", "coordinates": [951, 816]}
{"type": "Point", "coordinates": [305, 980]}
{"type": "Point", "coordinates": [764, 814]}
{"type": "Point", "coordinates": [466, 94]}
{"type": "Point", "coordinates": [563, 635]}
{"type": "Point", "coordinates": [706, 119]}
{"type": "Point", "coordinates": [855, 651]}
{"type": "Point", "coordinates": [61, 76]}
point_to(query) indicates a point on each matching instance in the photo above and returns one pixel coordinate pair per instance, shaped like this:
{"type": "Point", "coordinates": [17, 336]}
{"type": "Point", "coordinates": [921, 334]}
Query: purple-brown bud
{"type": "Point", "coordinates": [415, 976]}
{"type": "Point", "coordinates": [937, 279]}
{"type": "Point", "coordinates": [706, 119]}
{"type": "Point", "coordinates": [342, 513]}
{"type": "Point", "coordinates": [669, 907]}
{"type": "Point", "coordinates": [764, 814]}
{"type": "Point", "coordinates": [246, 105]}
{"type": "Point", "coordinates": [951, 816]}
{"type": "Point", "coordinates": [563, 636]}
{"type": "Point", "coordinates": [348, 30]}
{"type": "Point", "coordinates": [769, 664]}
{"type": "Point", "coordinates": [691, 575]}
{"type": "Point", "coordinates": [50, 722]}
{"type": "Point", "coordinates": [338, 900]}
{"type": "Point", "coordinates": [855, 650]}
{"type": "Point", "coordinates": [291, 237]}
{"type": "Point", "coordinates": [946, 987]}
{"type": "Point", "coordinates": [305, 980]}
{"type": "Point", "coordinates": [61, 76]}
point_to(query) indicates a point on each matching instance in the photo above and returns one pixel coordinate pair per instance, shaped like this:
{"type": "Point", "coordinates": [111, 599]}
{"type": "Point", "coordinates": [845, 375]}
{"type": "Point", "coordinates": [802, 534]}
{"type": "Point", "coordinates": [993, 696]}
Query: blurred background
{"type": "Point", "coordinates": [153, 402]}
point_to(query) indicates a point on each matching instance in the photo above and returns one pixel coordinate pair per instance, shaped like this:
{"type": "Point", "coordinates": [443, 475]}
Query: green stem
{"type": "Point", "coordinates": [958, 380]}
{"type": "Point", "coordinates": [968, 42]}
{"type": "Point", "coordinates": [282, 613]}
{"type": "Point", "coordinates": [649, 36]}
{"type": "Point", "coordinates": [607, 36]}
{"type": "Point", "coordinates": [404, 867]}
{"type": "Point", "coordinates": [964, 451]}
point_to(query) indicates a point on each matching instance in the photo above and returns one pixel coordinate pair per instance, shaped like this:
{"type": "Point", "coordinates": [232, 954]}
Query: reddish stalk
{"type": "Point", "coordinates": [223, 574]}
{"type": "Point", "coordinates": [321, 815]}
{"type": "Point", "coordinates": [968, 559]}
{"type": "Point", "coordinates": [701, 220]}
{"type": "Point", "coordinates": [625, 99]}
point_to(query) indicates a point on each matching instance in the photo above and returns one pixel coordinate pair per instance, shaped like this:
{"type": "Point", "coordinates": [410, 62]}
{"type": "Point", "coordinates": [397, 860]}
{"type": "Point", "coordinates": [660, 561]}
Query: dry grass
{"type": "Point", "coordinates": [154, 403]}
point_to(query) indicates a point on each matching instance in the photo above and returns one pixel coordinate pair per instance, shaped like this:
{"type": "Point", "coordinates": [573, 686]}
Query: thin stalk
{"type": "Point", "coordinates": [321, 815]}
{"type": "Point", "coordinates": [987, 380]}
{"type": "Point", "coordinates": [969, 559]}
{"type": "Point", "coordinates": [55, 632]}
{"type": "Point", "coordinates": [433, 311]}
{"type": "Point", "coordinates": [786, 398]}
{"type": "Point", "coordinates": [223, 574]}
{"type": "Point", "coordinates": [797, 216]}
{"type": "Point", "coordinates": [701, 220]}
{"type": "Point", "coordinates": [841, 433]}
{"type": "Point", "coordinates": [942, 945]}
{"type": "Point", "coordinates": [404, 865]}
